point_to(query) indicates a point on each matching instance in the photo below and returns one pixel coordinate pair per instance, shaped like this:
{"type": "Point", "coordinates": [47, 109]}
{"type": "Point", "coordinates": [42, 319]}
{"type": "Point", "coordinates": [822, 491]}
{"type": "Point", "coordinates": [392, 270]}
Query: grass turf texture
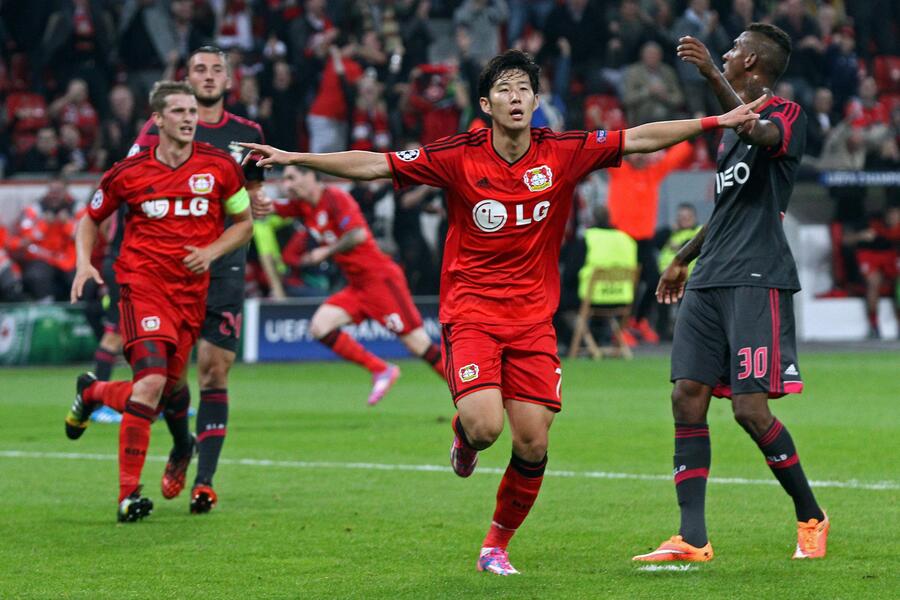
{"type": "Point", "coordinates": [337, 532]}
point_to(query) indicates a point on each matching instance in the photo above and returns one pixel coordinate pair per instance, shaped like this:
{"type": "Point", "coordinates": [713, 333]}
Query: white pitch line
{"type": "Point", "coordinates": [852, 484]}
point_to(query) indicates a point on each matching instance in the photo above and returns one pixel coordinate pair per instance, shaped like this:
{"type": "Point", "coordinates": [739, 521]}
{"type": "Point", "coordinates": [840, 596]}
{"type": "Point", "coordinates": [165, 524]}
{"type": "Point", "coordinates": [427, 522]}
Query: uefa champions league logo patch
{"type": "Point", "coordinates": [601, 136]}
{"type": "Point", "coordinates": [538, 179]}
{"type": "Point", "coordinates": [201, 183]}
{"type": "Point", "coordinates": [468, 373]}
{"type": "Point", "coordinates": [97, 200]}
{"type": "Point", "coordinates": [150, 323]}
{"type": "Point", "coordinates": [407, 155]}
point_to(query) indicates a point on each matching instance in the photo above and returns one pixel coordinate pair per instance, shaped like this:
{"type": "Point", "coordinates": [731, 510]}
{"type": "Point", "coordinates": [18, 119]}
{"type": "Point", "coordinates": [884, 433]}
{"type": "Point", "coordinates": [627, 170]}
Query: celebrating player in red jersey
{"type": "Point", "coordinates": [376, 287]}
{"type": "Point", "coordinates": [509, 195]}
{"type": "Point", "coordinates": [178, 193]}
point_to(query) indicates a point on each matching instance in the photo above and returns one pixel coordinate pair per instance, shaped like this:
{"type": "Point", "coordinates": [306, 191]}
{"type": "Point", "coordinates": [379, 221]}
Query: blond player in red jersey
{"type": "Point", "coordinates": [509, 196]}
{"type": "Point", "coordinates": [177, 193]}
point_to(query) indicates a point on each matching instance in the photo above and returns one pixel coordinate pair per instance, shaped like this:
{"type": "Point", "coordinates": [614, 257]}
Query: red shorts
{"type": "Point", "coordinates": [519, 360]}
{"type": "Point", "coordinates": [386, 300]}
{"type": "Point", "coordinates": [872, 261]}
{"type": "Point", "coordinates": [148, 313]}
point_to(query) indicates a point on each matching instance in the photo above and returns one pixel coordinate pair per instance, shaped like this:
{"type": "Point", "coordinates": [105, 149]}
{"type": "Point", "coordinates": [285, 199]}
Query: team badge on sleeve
{"type": "Point", "coordinates": [408, 155]}
{"type": "Point", "coordinates": [150, 323]}
{"type": "Point", "coordinates": [97, 200]}
{"type": "Point", "coordinates": [468, 373]}
{"type": "Point", "coordinates": [538, 179]}
{"type": "Point", "coordinates": [601, 136]}
{"type": "Point", "coordinates": [201, 183]}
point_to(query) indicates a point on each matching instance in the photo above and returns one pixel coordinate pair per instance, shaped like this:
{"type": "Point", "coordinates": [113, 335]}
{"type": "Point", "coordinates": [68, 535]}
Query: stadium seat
{"type": "Point", "coordinates": [612, 314]}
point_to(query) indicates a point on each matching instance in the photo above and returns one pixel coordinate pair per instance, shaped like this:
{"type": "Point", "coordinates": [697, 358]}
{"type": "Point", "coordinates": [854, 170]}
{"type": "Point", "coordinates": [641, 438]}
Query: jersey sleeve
{"type": "Point", "coordinates": [106, 199]}
{"type": "Point", "coordinates": [148, 136]}
{"type": "Point", "coordinates": [345, 212]}
{"type": "Point", "coordinates": [594, 150]}
{"type": "Point", "coordinates": [790, 120]}
{"type": "Point", "coordinates": [285, 208]}
{"type": "Point", "coordinates": [234, 190]}
{"type": "Point", "coordinates": [434, 164]}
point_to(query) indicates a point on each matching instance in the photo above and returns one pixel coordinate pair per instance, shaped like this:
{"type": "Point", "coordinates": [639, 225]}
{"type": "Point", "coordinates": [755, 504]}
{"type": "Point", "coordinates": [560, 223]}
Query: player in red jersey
{"type": "Point", "coordinates": [509, 195]}
{"type": "Point", "coordinates": [177, 193]}
{"type": "Point", "coordinates": [376, 286]}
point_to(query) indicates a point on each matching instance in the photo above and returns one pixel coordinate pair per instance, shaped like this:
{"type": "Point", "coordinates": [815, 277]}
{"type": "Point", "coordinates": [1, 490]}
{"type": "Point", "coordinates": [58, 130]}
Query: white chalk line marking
{"type": "Point", "coordinates": [852, 484]}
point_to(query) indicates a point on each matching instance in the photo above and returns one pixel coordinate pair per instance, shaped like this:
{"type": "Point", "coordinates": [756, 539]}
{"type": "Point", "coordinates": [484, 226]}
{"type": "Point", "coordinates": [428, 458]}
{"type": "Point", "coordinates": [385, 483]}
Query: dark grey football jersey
{"type": "Point", "coordinates": [745, 243]}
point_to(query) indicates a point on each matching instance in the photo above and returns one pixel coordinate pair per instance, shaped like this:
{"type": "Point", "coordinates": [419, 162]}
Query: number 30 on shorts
{"type": "Point", "coordinates": [753, 362]}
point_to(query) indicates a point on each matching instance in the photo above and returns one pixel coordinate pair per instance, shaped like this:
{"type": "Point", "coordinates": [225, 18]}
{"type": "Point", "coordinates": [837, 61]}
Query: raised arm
{"type": "Point", "coordinates": [651, 137]}
{"type": "Point", "coordinates": [692, 50]}
{"type": "Point", "coordinates": [354, 164]}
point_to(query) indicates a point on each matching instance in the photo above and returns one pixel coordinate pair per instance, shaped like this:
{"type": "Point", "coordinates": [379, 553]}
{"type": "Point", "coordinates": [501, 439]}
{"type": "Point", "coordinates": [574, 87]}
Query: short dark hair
{"type": "Point", "coordinates": [511, 60]}
{"type": "Point", "coordinates": [209, 49]}
{"type": "Point", "coordinates": [773, 48]}
{"type": "Point", "coordinates": [686, 206]}
{"type": "Point", "coordinates": [163, 89]}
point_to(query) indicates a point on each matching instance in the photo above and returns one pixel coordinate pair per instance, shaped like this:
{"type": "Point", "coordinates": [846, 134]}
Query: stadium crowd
{"type": "Point", "coordinates": [389, 74]}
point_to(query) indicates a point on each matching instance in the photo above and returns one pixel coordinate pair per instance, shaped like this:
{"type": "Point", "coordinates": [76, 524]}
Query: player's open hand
{"type": "Point", "coordinates": [744, 116]}
{"type": "Point", "coordinates": [671, 283]}
{"type": "Point", "coordinates": [81, 277]}
{"type": "Point", "coordinates": [266, 156]}
{"type": "Point", "coordinates": [198, 259]}
{"type": "Point", "coordinates": [692, 50]}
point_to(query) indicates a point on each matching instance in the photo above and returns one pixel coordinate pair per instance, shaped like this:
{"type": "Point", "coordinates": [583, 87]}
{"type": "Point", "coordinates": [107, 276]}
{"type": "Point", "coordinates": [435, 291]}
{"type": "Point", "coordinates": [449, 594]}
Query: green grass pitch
{"type": "Point", "coordinates": [318, 523]}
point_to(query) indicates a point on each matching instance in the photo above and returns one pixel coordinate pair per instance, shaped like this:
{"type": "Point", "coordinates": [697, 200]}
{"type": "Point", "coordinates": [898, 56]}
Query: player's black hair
{"type": "Point", "coordinates": [688, 206]}
{"type": "Point", "coordinates": [502, 64]}
{"type": "Point", "coordinates": [773, 47]}
{"type": "Point", "coordinates": [163, 89]}
{"type": "Point", "coordinates": [209, 49]}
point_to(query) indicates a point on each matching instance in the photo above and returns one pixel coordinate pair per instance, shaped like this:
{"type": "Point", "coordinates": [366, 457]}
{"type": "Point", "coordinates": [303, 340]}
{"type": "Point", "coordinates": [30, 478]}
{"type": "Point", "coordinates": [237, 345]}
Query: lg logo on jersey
{"type": "Point", "coordinates": [491, 215]}
{"type": "Point", "coordinates": [157, 209]}
{"type": "Point", "coordinates": [738, 173]}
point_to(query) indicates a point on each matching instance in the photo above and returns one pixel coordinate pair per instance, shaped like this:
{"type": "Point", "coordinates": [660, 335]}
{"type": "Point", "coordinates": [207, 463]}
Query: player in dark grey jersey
{"type": "Point", "coordinates": [734, 336]}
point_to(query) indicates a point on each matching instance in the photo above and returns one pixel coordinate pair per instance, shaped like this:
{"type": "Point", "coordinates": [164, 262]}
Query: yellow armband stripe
{"type": "Point", "coordinates": [238, 203]}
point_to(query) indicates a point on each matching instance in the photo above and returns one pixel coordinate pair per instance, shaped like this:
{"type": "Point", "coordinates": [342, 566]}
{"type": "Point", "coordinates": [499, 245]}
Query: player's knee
{"type": "Point", "coordinates": [214, 374]}
{"type": "Point", "coordinates": [688, 402]}
{"type": "Point", "coordinates": [481, 435]}
{"type": "Point", "coordinates": [754, 419]}
{"type": "Point", "coordinates": [530, 449]}
{"type": "Point", "coordinates": [319, 330]}
{"type": "Point", "coordinates": [148, 390]}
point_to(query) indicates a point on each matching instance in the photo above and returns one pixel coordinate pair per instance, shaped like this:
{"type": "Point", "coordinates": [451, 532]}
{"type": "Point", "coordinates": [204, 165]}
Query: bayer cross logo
{"type": "Point", "coordinates": [489, 215]}
{"type": "Point", "coordinates": [408, 155]}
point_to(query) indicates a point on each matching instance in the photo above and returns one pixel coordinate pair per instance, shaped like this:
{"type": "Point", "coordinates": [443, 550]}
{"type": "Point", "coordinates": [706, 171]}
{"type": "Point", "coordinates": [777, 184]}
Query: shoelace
{"type": "Point", "coordinates": [809, 540]}
{"type": "Point", "coordinates": [501, 558]}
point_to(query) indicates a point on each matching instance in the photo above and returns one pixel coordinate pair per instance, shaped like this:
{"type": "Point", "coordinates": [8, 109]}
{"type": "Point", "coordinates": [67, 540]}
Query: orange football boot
{"type": "Point", "coordinates": [812, 538]}
{"type": "Point", "coordinates": [676, 549]}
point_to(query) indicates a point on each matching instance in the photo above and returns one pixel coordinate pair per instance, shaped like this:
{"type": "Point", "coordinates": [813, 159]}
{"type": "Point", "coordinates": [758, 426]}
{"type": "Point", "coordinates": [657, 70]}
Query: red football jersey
{"type": "Point", "coordinates": [167, 210]}
{"type": "Point", "coordinates": [506, 221]}
{"type": "Point", "coordinates": [335, 214]}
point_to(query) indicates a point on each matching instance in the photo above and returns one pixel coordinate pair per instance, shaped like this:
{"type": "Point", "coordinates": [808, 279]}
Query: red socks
{"type": "Point", "coordinates": [349, 349]}
{"type": "Point", "coordinates": [134, 438]}
{"type": "Point", "coordinates": [113, 394]}
{"type": "Point", "coordinates": [433, 357]}
{"type": "Point", "coordinates": [518, 490]}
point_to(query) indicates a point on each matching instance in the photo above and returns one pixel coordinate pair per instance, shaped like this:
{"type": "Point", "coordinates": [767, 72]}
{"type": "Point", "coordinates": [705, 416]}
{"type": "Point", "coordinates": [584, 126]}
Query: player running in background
{"type": "Point", "coordinates": [178, 193]}
{"type": "Point", "coordinates": [509, 196]}
{"type": "Point", "coordinates": [208, 75]}
{"type": "Point", "coordinates": [734, 336]}
{"type": "Point", "coordinates": [376, 287]}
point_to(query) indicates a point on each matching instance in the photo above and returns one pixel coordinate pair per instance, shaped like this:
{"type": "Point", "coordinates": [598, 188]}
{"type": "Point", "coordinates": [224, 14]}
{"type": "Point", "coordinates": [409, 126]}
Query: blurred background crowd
{"type": "Point", "coordinates": [390, 74]}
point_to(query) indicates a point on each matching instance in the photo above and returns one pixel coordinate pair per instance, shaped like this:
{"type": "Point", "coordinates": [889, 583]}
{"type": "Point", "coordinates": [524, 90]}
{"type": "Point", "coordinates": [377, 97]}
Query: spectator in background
{"type": "Point", "coordinates": [43, 244]}
{"type": "Point", "coordinates": [234, 24]}
{"type": "Point", "coordinates": [370, 129]}
{"type": "Point", "coordinates": [25, 111]}
{"type": "Point", "coordinates": [785, 89]}
{"type": "Point", "coordinates": [119, 130]}
{"type": "Point", "coordinates": [330, 112]}
{"type": "Point", "coordinates": [551, 112]}
{"type": "Point", "coordinates": [483, 19]}
{"type": "Point", "coordinates": [435, 102]}
{"type": "Point", "coordinates": [524, 14]}
{"type": "Point", "coordinates": [633, 204]}
{"type": "Point", "coordinates": [470, 69]}
{"type": "Point", "coordinates": [876, 254]}
{"type": "Point", "coordinates": [630, 29]}
{"type": "Point", "coordinates": [699, 22]}
{"type": "Point", "coordinates": [865, 110]}
{"type": "Point", "coordinates": [821, 122]}
{"type": "Point", "coordinates": [248, 101]}
{"type": "Point", "coordinates": [310, 38]}
{"type": "Point", "coordinates": [188, 37]}
{"type": "Point", "coordinates": [45, 156]}
{"type": "Point", "coordinates": [415, 36]}
{"type": "Point", "coordinates": [876, 22]}
{"type": "Point", "coordinates": [842, 67]}
{"type": "Point", "coordinates": [10, 277]}
{"type": "Point", "coordinates": [74, 107]}
{"type": "Point", "coordinates": [579, 22]}
{"type": "Point", "coordinates": [279, 112]}
{"type": "Point", "coordinates": [671, 240]}
{"type": "Point", "coordinates": [70, 146]}
{"type": "Point", "coordinates": [804, 70]}
{"type": "Point", "coordinates": [650, 88]}
{"type": "Point", "coordinates": [743, 12]}
{"type": "Point", "coordinates": [148, 46]}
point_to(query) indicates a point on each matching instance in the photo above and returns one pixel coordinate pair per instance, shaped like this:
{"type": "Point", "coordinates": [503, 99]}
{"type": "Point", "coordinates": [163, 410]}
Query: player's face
{"type": "Point", "coordinates": [511, 101]}
{"type": "Point", "coordinates": [178, 120]}
{"type": "Point", "coordinates": [733, 60]}
{"type": "Point", "coordinates": [299, 183]}
{"type": "Point", "coordinates": [208, 75]}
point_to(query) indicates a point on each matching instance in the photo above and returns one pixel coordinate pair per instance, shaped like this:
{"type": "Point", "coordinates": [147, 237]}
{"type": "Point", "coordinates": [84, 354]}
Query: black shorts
{"type": "Point", "coordinates": [224, 310]}
{"type": "Point", "coordinates": [738, 340]}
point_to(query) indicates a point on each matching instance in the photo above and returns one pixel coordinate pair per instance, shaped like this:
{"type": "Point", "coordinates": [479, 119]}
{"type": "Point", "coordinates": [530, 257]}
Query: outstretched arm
{"type": "Point", "coordinates": [692, 50]}
{"type": "Point", "coordinates": [656, 136]}
{"type": "Point", "coordinates": [354, 164]}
